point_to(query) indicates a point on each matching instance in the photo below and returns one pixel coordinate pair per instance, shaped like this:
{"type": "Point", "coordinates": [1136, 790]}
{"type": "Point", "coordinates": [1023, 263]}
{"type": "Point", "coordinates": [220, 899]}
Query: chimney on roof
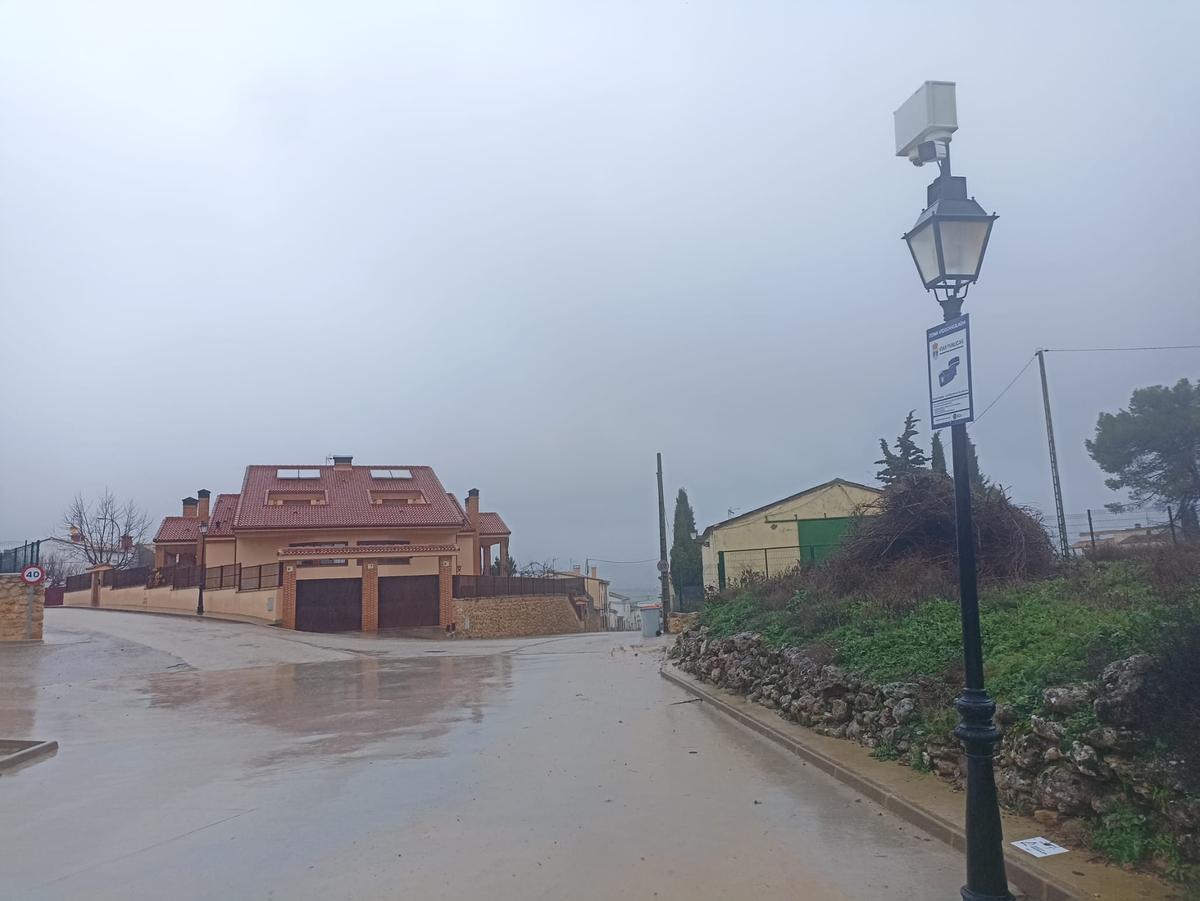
{"type": "Point", "coordinates": [473, 509]}
{"type": "Point", "coordinates": [595, 572]}
{"type": "Point", "coordinates": [342, 461]}
{"type": "Point", "coordinates": [202, 510]}
{"type": "Point", "coordinates": [189, 506]}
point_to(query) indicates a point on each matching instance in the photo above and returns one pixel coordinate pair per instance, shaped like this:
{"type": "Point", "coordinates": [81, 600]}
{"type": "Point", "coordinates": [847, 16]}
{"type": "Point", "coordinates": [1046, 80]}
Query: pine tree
{"type": "Point", "coordinates": [1150, 450]}
{"type": "Point", "coordinates": [978, 479]}
{"type": "Point", "coordinates": [512, 566]}
{"type": "Point", "coordinates": [908, 457]}
{"type": "Point", "coordinates": [687, 568]}
{"type": "Point", "coordinates": [938, 460]}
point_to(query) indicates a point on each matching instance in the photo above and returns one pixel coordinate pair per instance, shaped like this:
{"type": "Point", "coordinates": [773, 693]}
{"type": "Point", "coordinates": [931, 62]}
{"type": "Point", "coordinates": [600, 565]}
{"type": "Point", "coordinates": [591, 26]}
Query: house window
{"type": "Point", "coordinates": [334, 561]}
{"type": "Point", "coordinates": [388, 561]}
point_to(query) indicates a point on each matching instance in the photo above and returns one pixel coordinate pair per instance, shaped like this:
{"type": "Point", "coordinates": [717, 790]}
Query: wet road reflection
{"type": "Point", "coordinates": [398, 708]}
{"type": "Point", "coordinates": [554, 770]}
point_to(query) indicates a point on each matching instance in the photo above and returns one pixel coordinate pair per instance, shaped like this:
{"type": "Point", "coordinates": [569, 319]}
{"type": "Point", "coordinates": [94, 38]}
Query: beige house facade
{"type": "Point", "coordinates": [801, 529]}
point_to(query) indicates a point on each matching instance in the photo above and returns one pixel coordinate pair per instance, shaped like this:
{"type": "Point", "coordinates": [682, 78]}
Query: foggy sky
{"type": "Point", "coordinates": [532, 244]}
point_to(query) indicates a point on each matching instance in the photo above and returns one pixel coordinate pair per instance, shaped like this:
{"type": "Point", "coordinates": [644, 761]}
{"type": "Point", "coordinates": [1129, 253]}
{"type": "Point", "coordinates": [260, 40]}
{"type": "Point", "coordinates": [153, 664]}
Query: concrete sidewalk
{"type": "Point", "coordinates": [928, 803]}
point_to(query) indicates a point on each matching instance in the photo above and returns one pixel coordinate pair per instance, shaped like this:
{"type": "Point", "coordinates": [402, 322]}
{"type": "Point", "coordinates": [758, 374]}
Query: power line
{"type": "Point", "coordinates": [1082, 350]}
{"type": "Point", "coordinates": [1005, 391]}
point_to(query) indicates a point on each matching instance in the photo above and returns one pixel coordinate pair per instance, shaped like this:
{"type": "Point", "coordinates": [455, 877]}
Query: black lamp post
{"type": "Point", "coordinates": [947, 244]}
{"type": "Point", "coordinates": [203, 571]}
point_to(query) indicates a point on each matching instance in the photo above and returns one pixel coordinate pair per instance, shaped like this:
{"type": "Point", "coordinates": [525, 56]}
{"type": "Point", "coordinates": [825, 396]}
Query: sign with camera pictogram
{"type": "Point", "coordinates": [950, 385]}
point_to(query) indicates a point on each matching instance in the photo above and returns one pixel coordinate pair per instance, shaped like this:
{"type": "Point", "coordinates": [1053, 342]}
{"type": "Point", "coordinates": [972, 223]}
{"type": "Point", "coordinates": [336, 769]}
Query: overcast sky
{"type": "Point", "coordinates": [530, 244]}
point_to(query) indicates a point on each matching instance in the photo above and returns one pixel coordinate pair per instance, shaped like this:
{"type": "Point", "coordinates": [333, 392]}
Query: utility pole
{"type": "Point", "coordinates": [1064, 544]}
{"type": "Point", "coordinates": [664, 568]}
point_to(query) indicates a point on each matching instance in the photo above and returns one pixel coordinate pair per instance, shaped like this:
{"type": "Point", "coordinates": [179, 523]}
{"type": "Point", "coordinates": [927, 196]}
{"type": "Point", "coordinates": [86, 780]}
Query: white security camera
{"type": "Point", "coordinates": [925, 122]}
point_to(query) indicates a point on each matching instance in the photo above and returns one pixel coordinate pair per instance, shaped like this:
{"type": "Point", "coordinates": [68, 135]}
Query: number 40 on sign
{"type": "Point", "coordinates": [33, 575]}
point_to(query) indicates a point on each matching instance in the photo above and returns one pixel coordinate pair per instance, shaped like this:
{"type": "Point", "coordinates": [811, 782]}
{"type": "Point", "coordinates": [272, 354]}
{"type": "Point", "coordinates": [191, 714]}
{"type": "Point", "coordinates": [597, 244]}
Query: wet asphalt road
{"type": "Point", "coordinates": [221, 760]}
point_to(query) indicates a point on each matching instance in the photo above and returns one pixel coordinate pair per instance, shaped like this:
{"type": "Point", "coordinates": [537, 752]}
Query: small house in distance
{"type": "Point", "coordinates": [800, 529]}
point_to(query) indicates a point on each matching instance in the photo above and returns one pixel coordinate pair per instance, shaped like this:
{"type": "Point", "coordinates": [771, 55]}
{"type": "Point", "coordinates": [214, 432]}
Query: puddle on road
{"type": "Point", "coordinates": [343, 709]}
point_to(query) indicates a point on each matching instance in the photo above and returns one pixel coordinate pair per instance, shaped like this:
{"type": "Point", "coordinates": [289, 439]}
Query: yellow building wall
{"type": "Point", "coordinates": [465, 565]}
{"type": "Point", "coordinates": [597, 590]}
{"type": "Point", "coordinates": [263, 605]}
{"type": "Point", "coordinates": [256, 548]}
{"type": "Point", "coordinates": [219, 551]}
{"type": "Point", "coordinates": [775, 527]}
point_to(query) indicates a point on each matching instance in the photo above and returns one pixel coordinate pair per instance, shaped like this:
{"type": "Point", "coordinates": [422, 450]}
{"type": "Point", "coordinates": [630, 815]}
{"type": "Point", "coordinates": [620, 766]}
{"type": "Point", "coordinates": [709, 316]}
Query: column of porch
{"type": "Point", "coordinates": [287, 607]}
{"type": "Point", "coordinates": [370, 596]}
{"type": "Point", "coordinates": [445, 592]}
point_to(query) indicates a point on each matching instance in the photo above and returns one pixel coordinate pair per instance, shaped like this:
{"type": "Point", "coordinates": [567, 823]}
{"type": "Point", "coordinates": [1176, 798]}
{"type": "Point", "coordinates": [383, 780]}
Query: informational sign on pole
{"type": "Point", "coordinates": [31, 575]}
{"type": "Point", "coordinates": [950, 386]}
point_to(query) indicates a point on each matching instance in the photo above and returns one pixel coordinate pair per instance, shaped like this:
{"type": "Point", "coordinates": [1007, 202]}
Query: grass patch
{"type": "Point", "coordinates": [1035, 634]}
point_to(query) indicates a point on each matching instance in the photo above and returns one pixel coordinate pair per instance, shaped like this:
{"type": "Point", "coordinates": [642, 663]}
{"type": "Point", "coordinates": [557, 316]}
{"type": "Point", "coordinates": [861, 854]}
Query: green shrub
{"type": "Point", "coordinates": [886, 750]}
{"type": "Point", "coordinates": [729, 617]}
{"type": "Point", "coordinates": [1126, 835]}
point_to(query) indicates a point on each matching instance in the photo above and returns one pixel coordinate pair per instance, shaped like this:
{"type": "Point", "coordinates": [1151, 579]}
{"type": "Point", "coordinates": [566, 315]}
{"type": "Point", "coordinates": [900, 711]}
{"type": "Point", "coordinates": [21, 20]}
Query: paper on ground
{"type": "Point", "coordinates": [1040, 847]}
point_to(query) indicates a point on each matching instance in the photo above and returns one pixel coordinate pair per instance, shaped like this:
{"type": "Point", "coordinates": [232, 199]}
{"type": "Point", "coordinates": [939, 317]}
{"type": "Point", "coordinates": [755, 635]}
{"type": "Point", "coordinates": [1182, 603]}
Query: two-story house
{"type": "Point", "coordinates": [349, 547]}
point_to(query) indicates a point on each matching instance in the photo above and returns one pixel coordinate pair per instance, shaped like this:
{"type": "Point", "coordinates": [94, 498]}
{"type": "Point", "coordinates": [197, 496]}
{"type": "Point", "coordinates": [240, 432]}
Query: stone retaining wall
{"type": "Point", "coordinates": [1070, 766]}
{"type": "Point", "coordinates": [513, 617]}
{"type": "Point", "coordinates": [14, 613]}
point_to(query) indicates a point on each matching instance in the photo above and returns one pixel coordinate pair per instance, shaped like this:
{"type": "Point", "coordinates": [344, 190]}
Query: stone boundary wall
{"type": "Point", "coordinates": [1078, 760]}
{"type": "Point", "coordinates": [263, 604]}
{"type": "Point", "coordinates": [515, 617]}
{"type": "Point", "coordinates": [13, 612]}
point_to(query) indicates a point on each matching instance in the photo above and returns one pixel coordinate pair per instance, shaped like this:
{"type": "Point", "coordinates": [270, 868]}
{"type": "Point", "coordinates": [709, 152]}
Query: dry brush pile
{"type": "Point", "coordinates": [911, 530]}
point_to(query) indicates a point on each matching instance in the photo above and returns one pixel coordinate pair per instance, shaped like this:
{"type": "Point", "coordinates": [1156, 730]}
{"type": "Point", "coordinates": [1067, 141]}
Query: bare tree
{"type": "Point", "coordinates": [546, 569]}
{"type": "Point", "coordinates": [107, 531]}
{"type": "Point", "coordinates": [59, 567]}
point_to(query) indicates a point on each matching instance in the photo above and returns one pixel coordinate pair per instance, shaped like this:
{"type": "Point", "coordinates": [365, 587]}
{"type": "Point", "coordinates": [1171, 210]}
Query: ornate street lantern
{"type": "Point", "coordinates": [950, 238]}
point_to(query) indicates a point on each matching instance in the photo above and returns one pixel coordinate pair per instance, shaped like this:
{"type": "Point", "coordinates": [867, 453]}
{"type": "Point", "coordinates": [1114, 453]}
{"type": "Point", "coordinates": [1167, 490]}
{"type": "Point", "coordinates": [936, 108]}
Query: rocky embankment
{"type": "Point", "coordinates": [1074, 764]}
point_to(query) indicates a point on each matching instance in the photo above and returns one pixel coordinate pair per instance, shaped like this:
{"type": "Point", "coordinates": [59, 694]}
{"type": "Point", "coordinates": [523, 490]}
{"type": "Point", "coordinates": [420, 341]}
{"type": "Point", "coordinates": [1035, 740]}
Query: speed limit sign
{"type": "Point", "coordinates": [33, 575]}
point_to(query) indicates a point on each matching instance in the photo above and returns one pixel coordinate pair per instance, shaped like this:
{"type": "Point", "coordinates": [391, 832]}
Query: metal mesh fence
{"type": "Point", "coordinates": [729, 567]}
{"type": "Point", "coordinates": [1099, 529]}
{"type": "Point", "coordinates": [16, 559]}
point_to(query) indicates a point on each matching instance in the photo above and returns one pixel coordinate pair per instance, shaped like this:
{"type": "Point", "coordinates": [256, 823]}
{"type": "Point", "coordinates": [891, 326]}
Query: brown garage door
{"type": "Point", "coordinates": [408, 601]}
{"type": "Point", "coordinates": [328, 605]}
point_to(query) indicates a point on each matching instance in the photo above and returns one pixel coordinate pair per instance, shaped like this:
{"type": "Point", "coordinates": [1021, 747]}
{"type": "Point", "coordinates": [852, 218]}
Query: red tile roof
{"type": "Point", "coordinates": [178, 528]}
{"type": "Point", "coordinates": [349, 500]}
{"type": "Point", "coordinates": [220, 522]}
{"type": "Point", "coordinates": [459, 507]}
{"type": "Point", "coordinates": [489, 523]}
{"type": "Point", "coordinates": [492, 524]}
